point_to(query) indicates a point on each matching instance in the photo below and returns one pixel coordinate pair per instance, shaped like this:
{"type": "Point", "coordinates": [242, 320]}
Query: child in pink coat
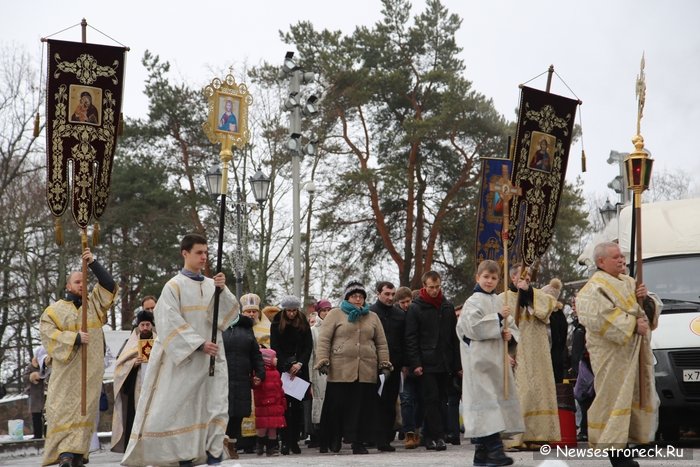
{"type": "Point", "coordinates": [270, 404]}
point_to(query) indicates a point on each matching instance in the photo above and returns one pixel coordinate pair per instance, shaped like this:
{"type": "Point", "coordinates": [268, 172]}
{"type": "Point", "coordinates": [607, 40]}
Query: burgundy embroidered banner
{"type": "Point", "coordinates": [542, 142]}
{"type": "Point", "coordinates": [83, 106]}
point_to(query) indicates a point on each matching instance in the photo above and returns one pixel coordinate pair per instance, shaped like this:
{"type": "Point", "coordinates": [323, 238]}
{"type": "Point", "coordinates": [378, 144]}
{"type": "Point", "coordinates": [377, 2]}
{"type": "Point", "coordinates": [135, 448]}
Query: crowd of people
{"type": "Point", "coordinates": [277, 377]}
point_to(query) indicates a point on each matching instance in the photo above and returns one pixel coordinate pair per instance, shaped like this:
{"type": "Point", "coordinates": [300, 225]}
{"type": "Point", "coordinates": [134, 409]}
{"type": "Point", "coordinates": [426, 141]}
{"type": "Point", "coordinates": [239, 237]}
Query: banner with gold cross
{"type": "Point", "coordinates": [83, 107]}
{"type": "Point", "coordinates": [490, 216]}
{"type": "Point", "coordinates": [542, 142]}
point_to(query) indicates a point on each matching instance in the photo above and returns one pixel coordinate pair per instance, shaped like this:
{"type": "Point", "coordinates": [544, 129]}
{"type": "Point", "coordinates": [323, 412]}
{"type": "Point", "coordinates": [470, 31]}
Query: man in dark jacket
{"type": "Point", "coordinates": [432, 352]}
{"type": "Point", "coordinates": [394, 324]}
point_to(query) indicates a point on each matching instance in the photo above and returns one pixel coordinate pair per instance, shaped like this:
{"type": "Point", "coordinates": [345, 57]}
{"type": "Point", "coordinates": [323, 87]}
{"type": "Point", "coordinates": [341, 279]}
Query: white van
{"type": "Point", "coordinates": [671, 269]}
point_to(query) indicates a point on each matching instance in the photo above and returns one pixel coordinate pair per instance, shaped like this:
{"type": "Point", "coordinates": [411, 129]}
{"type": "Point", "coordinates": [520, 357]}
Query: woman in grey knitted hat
{"type": "Point", "coordinates": [290, 337]}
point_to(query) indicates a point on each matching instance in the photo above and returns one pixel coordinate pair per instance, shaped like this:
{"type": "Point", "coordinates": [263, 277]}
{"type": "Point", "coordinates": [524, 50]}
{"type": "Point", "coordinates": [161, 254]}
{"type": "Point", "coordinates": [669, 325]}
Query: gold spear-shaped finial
{"type": "Point", "coordinates": [641, 92]}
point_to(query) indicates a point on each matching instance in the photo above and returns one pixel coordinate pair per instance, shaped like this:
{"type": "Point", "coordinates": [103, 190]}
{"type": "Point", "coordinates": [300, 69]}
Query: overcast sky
{"type": "Point", "coordinates": [594, 45]}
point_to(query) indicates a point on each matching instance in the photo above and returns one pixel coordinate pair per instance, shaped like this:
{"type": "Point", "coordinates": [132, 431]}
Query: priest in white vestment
{"type": "Point", "coordinates": [69, 432]}
{"type": "Point", "coordinates": [182, 412]}
{"type": "Point", "coordinates": [534, 376]}
{"type": "Point", "coordinates": [619, 343]}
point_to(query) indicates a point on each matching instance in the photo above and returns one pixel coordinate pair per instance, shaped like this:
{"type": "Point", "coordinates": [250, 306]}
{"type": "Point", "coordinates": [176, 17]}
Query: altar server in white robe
{"type": "Point", "coordinates": [482, 330]}
{"type": "Point", "coordinates": [182, 412]}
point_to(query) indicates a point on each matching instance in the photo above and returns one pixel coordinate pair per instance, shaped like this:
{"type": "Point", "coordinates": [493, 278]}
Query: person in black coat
{"type": "Point", "coordinates": [290, 337]}
{"type": "Point", "coordinates": [245, 365]}
{"type": "Point", "coordinates": [432, 354]}
{"type": "Point", "coordinates": [394, 324]}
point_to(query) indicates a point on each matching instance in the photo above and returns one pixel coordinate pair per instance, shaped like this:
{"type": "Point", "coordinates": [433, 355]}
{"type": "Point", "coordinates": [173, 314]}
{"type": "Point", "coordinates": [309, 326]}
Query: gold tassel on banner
{"type": "Point", "coordinates": [95, 234]}
{"type": "Point", "coordinates": [36, 125]}
{"type": "Point", "coordinates": [583, 160]}
{"type": "Point", "coordinates": [120, 128]}
{"type": "Point", "coordinates": [58, 230]}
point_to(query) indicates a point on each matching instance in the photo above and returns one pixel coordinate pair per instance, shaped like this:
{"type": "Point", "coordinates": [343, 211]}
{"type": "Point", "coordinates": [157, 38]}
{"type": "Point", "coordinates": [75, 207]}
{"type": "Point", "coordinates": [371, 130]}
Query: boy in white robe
{"type": "Point", "coordinates": [482, 334]}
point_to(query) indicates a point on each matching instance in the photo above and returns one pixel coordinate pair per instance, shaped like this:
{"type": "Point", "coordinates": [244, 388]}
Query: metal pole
{"type": "Point", "coordinates": [307, 261]}
{"type": "Point", "coordinates": [296, 208]}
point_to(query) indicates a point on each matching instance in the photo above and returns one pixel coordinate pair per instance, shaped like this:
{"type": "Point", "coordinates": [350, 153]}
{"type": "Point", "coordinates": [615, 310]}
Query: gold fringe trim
{"type": "Point", "coordinates": [36, 125]}
{"type": "Point", "coordinates": [58, 227]}
{"type": "Point", "coordinates": [583, 160]}
{"type": "Point", "coordinates": [120, 128]}
{"type": "Point", "coordinates": [96, 234]}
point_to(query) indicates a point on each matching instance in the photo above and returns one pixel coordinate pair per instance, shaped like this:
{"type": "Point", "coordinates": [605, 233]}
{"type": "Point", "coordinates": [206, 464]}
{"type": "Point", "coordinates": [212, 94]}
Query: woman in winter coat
{"type": "Point", "coordinates": [290, 337]}
{"type": "Point", "coordinates": [318, 381]}
{"type": "Point", "coordinates": [352, 350]}
{"type": "Point", "coordinates": [244, 364]}
{"type": "Point", "coordinates": [270, 404]}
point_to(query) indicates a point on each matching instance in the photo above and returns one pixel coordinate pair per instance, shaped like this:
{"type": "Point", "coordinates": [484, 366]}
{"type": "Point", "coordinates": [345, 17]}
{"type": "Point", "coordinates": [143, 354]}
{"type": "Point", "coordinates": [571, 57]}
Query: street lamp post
{"type": "Point", "coordinates": [293, 104]}
{"type": "Point", "coordinates": [310, 189]}
{"type": "Point", "coordinates": [607, 212]}
{"type": "Point", "coordinates": [260, 184]}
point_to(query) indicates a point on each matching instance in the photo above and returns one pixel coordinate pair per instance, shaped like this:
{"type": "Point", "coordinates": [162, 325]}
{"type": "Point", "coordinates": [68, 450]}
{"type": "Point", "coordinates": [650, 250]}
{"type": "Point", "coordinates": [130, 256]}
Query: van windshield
{"type": "Point", "coordinates": [673, 278]}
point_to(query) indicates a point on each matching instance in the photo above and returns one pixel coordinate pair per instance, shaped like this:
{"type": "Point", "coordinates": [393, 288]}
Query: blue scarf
{"type": "Point", "coordinates": [353, 311]}
{"type": "Point", "coordinates": [192, 275]}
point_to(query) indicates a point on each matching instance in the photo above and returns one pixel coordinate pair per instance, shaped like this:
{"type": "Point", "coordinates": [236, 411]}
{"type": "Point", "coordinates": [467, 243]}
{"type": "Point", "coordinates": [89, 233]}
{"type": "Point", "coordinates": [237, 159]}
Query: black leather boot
{"type": "Point", "coordinates": [260, 443]}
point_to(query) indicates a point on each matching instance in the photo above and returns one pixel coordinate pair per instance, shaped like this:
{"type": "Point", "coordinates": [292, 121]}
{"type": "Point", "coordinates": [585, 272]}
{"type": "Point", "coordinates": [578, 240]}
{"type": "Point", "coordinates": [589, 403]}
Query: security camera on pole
{"type": "Point", "coordinates": [297, 108]}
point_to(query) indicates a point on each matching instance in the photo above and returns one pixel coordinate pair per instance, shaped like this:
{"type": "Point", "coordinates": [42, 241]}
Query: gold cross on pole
{"type": "Point", "coordinates": [505, 190]}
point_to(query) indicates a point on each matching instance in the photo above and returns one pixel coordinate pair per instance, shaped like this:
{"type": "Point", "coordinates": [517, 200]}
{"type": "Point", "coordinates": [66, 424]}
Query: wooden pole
{"type": "Point", "coordinates": [640, 281]}
{"type": "Point", "coordinates": [83, 323]}
{"type": "Point", "coordinates": [550, 72]}
{"type": "Point", "coordinates": [504, 235]}
{"type": "Point", "coordinates": [505, 189]}
{"type": "Point", "coordinates": [84, 328]}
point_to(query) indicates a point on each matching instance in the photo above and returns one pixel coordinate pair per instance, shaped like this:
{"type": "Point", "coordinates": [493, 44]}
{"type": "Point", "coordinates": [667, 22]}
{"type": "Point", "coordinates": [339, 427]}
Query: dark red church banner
{"type": "Point", "coordinates": [542, 143]}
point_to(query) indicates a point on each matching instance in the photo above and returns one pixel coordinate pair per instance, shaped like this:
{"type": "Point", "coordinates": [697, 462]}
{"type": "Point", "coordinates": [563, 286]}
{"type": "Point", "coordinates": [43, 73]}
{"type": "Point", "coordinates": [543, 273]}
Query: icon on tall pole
{"type": "Point", "coordinates": [228, 126]}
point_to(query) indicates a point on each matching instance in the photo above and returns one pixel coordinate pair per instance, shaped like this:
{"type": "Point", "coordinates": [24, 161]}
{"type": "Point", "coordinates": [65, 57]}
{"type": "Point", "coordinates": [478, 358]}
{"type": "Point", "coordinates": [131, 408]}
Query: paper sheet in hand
{"type": "Point", "coordinates": [381, 384]}
{"type": "Point", "coordinates": [294, 387]}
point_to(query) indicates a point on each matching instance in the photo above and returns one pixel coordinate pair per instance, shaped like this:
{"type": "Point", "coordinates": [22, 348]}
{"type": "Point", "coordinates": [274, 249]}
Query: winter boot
{"type": "Point", "coordinates": [480, 454]}
{"type": "Point", "coordinates": [260, 444]}
{"type": "Point", "coordinates": [230, 448]}
{"type": "Point", "coordinates": [496, 457]}
{"type": "Point", "coordinates": [411, 440]}
{"type": "Point", "coordinates": [271, 448]}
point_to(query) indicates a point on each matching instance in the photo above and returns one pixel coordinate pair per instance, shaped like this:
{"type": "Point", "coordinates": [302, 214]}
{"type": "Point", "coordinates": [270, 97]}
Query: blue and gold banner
{"type": "Point", "coordinates": [542, 142]}
{"type": "Point", "coordinates": [83, 107]}
{"type": "Point", "coordinates": [489, 244]}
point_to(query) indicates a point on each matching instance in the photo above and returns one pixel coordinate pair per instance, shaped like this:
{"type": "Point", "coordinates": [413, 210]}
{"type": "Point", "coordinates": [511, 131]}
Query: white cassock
{"type": "Point", "coordinates": [485, 411]}
{"type": "Point", "coordinates": [182, 412]}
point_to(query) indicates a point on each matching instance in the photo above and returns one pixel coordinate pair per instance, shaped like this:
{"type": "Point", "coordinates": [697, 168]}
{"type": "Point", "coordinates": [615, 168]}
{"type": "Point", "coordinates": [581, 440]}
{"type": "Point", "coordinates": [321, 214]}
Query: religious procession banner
{"type": "Point", "coordinates": [542, 142]}
{"type": "Point", "coordinates": [490, 217]}
{"type": "Point", "coordinates": [83, 107]}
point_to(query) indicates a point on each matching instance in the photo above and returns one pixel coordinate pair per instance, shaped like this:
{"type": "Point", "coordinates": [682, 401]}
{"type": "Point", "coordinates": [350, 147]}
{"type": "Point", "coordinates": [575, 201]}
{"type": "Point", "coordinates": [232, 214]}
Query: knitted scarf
{"type": "Point", "coordinates": [436, 301]}
{"type": "Point", "coordinates": [353, 311]}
